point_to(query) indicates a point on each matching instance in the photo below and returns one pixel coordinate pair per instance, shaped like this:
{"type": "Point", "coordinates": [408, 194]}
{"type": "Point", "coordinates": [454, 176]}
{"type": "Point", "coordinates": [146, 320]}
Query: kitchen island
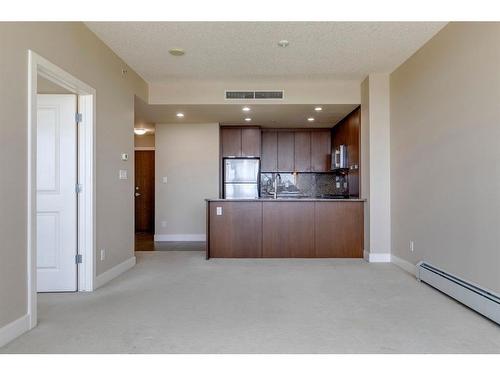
{"type": "Point", "coordinates": [285, 228]}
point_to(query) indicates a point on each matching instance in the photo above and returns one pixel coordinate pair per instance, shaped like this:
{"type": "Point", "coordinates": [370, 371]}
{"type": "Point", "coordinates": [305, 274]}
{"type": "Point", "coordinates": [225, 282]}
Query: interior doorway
{"type": "Point", "coordinates": [144, 191]}
{"type": "Point", "coordinates": [60, 200]}
{"type": "Point", "coordinates": [144, 171]}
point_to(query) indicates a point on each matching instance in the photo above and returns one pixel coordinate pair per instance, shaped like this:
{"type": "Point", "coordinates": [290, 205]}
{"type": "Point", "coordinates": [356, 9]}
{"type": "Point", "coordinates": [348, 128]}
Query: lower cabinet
{"type": "Point", "coordinates": [288, 230]}
{"type": "Point", "coordinates": [245, 229]}
{"type": "Point", "coordinates": [235, 229]}
{"type": "Point", "coordinates": [339, 229]}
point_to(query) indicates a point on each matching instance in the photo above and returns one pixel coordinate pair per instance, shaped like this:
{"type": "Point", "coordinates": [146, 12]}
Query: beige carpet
{"type": "Point", "coordinates": [177, 302]}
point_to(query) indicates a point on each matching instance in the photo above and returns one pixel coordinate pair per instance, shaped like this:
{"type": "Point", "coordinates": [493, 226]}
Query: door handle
{"type": "Point", "coordinates": [137, 194]}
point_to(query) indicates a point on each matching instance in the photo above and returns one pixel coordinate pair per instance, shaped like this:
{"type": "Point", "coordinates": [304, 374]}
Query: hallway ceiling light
{"type": "Point", "coordinates": [248, 119]}
{"type": "Point", "coordinates": [180, 115]}
{"type": "Point", "coordinates": [140, 131]}
{"type": "Point", "coordinates": [283, 43]}
{"type": "Point", "coordinates": [246, 109]}
{"type": "Point", "coordinates": [176, 51]}
{"type": "Point", "coordinates": [317, 109]}
{"type": "Point", "coordinates": [310, 119]}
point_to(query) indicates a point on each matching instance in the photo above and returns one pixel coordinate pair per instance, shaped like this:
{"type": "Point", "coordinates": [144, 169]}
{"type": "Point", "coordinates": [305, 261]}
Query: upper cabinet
{"type": "Point", "coordinates": [296, 150]}
{"type": "Point", "coordinates": [302, 152]}
{"type": "Point", "coordinates": [238, 142]}
{"type": "Point", "coordinates": [285, 151]}
{"type": "Point", "coordinates": [321, 150]}
{"type": "Point", "coordinates": [269, 161]}
{"type": "Point", "coordinates": [231, 141]}
{"type": "Point", "coordinates": [353, 138]}
{"type": "Point", "coordinates": [250, 142]}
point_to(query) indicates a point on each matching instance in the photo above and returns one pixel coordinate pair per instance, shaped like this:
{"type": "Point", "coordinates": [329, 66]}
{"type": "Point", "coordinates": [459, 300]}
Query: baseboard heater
{"type": "Point", "coordinates": [483, 301]}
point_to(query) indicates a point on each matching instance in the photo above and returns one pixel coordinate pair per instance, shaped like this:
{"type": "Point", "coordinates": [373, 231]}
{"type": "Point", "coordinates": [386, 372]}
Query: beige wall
{"type": "Point", "coordinates": [365, 158]}
{"type": "Point", "coordinates": [77, 50]}
{"type": "Point", "coordinates": [297, 91]}
{"type": "Point", "coordinates": [380, 167]}
{"type": "Point", "coordinates": [187, 154]}
{"type": "Point", "coordinates": [375, 165]}
{"type": "Point", "coordinates": [146, 140]}
{"type": "Point", "coordinates": [445, 153]}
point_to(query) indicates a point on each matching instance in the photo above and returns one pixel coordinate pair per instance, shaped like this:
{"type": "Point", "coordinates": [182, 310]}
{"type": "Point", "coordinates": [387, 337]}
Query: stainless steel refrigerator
{"type": "Point", "coordinates": [241, 178]}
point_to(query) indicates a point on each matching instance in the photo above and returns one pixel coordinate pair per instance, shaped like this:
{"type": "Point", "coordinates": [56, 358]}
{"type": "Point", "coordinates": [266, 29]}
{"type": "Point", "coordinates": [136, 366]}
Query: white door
{"type": "Point", "coordinates": [56, 174]}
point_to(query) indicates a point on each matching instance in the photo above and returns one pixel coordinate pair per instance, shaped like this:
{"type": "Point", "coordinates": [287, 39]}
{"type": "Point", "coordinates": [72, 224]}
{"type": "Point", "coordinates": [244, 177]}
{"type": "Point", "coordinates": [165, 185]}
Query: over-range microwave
{"type": "Point", "coordinates": [339, 158]}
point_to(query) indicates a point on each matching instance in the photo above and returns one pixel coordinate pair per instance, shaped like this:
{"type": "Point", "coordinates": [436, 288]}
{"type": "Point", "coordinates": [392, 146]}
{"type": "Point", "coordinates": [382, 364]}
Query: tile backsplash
{"type": "Point", "coordinates": [303, 185]}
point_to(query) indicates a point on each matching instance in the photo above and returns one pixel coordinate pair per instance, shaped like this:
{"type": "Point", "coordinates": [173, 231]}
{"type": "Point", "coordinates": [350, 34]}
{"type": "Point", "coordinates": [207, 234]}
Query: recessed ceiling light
{"type": "Point", "coordinates": [246, 109]}
{"type": "Point", "coordinates": [176, 51]}
{"type": "Point", "coordinates": [317, 109]}
{"type": "Point", "coordinates": [140, 131]}
{"type": "Point", "coordinates": [248, 119]}
{"type": "Point", "coordinates": [310, 119]}
{"type": "Point", "coordinates": [283, 43]}
{"type": "Point", "coordinates": [180, 115]}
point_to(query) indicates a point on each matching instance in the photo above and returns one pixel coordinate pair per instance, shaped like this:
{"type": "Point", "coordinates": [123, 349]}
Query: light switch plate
{"type": "Point", "coordinates": [165, 179]}
{"type": "Point", "coordinates": [219, 211]}
{"type": "Point", "coordinates": [123, 174]}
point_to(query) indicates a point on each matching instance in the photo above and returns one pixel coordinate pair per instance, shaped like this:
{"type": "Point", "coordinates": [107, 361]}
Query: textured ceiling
{"type": "Point", "coordinates": [266, 115]}
{"type": "Point", "coordinates": [224, 50]}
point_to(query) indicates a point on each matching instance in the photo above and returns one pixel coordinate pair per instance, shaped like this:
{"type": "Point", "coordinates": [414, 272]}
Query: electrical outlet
{"type": "Point", "coordinates": [103, 254]}
{"type": "Point", "coordinates": [163, 224]}
{"type": "Point", "coordinates": [411, 246]}
{"type": "Point", "coordinates": [219, 211]}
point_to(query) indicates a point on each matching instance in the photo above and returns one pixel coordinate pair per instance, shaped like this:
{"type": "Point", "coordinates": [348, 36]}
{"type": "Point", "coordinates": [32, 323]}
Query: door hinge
{"type": "Point", "coordinates": [78, 258]}
{"type": "Point", "coordinates": [78, 188]}
{"type": "Point", "coordinates": [78, 118]}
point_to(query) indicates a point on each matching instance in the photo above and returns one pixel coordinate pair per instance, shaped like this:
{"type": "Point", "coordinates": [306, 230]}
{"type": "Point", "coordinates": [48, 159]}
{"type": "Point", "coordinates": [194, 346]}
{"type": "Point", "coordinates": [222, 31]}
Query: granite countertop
{"type": "Point", "coordinates": [288, 200]}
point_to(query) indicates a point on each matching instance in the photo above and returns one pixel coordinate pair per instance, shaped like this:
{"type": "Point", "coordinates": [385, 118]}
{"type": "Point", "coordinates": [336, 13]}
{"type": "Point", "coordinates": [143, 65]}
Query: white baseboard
{"type": "Point", "coordinates": [377, 257]}
{"type": "Point", "coordinates": [110, 274]}
{"type": "Point", "coordinates": [180, 237]}
{"type": "Point", "coordinates": [404, 264]}
{"type": "Point", "coordinates": [14, 329]}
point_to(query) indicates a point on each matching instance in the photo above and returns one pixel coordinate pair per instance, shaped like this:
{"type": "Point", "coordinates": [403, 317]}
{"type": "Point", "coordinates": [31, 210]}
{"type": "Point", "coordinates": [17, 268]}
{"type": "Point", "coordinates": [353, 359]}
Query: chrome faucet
{"type": "Point", "coordinates": [276, 185]}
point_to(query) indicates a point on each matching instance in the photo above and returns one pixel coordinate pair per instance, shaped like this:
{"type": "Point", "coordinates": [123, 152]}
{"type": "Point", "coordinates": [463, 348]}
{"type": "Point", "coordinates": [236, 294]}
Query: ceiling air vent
{"type": "Point", "coordinates": [240, 94]}
{"type": "Point", "coordinates": [262, 94]}
{"type": "Point", "coordinates": [269, 94]}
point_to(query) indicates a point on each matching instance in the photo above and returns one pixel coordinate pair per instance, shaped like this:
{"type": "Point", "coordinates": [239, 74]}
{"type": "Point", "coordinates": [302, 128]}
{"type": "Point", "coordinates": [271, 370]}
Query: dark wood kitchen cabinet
{"type": "Point", "coordinates": [237, 231]}
{"type": "Point", "coordinates": [338, 229]}
{"type": "Point", "coordinates": [348, 132]}
{"type": "Point", "coordinates": [230, 141]}
{"type": "Point", "coordinates": [285, 151]}
{"type": "Point", "coordinates": [239, 142]}
{"type": "Point", "coordinates": [321, 145]}
{"type": "Point", "coordinates": [353, 151]}
{"type": "Point", "coordinates": [250, 142]}
{"type": "Point", "coordinates": [288, 230]}
{"type": "Point", "coordinates": [269, 162]}
{"type": "Point", "coordinates": [302, 151]}
{"type": "Point", "coordinates": [285, 229]}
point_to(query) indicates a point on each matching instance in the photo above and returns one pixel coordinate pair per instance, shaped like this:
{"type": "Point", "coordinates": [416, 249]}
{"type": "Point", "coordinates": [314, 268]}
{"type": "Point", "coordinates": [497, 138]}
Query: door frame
{"type": "Point", "coordinates": [86, 96]}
